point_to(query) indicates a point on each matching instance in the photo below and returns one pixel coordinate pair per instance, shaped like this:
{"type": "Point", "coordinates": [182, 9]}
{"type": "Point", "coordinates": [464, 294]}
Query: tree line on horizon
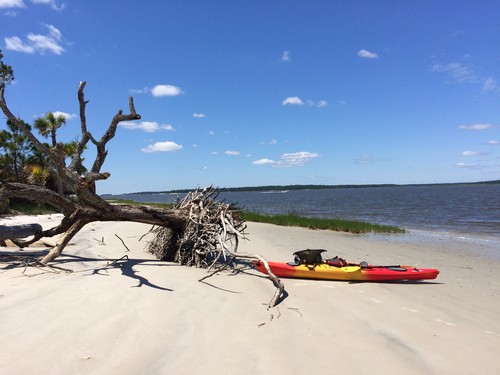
{"type": "Point", "coordinates": [311, 187]}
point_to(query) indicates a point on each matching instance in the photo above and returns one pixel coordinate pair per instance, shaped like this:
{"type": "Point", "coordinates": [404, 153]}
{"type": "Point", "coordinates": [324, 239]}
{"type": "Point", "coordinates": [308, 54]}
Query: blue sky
{"type": "Point", "coordinates": [245, 93]}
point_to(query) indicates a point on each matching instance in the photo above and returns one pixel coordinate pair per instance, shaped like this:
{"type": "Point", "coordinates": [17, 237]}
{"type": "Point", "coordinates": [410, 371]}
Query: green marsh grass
{"type": "Point", "coordinates": [293, 220]}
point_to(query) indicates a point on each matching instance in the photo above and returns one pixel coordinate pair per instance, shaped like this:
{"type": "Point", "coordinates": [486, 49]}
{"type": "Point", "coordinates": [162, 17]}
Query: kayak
{"type": "Point", "coordinates": [349, 272]}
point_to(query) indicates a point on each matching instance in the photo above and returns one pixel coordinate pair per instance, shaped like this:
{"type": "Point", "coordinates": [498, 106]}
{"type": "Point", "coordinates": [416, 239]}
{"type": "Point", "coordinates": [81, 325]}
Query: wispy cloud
{"type": "Point", "coordinates": [285, 57]}
{"type": "Point", "coordinates": [287, 160]}
{"type": "Point", "coordinates": [477, 126]}
{"type": "Point", "coordinates": [468, 165]}
{"type": "Point", "coordinates": [490, 85]}
{"type": "Point", "coordinates": [51, 3]}
{"type": "Point", "coordinates": [363, 53]}
{"type": "Point", "coordinates": [293, 100]}
{"type": "Point", "coordinates": [472, 153]}
{"type": "Point", "coordinates": [457, 72]}
{"type": "Point", "coordinates": [147, 126]}
{"type": "Point", "coordinates": [494, 142]}
{"type": "Point", "coordinates": [364, 159]}
{"type": "Point", "coordinates": [199, 115]}
{"type": "Point", "coordinates": [232, 153]}
{"type": "Point", "coordinates": [50, 42]}
{"type": "Point", "coordinates": [368, 159]}
{"type": "Point", "coordinates": [166, 146]}
{"type": "Point", "coordinates": [7, 4]}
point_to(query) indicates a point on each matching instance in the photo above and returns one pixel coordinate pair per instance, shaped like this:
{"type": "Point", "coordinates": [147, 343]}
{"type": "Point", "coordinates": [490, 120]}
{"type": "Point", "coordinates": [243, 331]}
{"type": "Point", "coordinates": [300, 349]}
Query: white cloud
{"type": "Point", "coordinates": [273, 142]}
{"type": "Point", "coordinates": [285, 57]}
{"type": "Point", "coordinates": [477, 126]}
{"type": "Point", "coordinates": [494, 142]}
{"type": "Point", "coordinates": [67, 116]}
{"type": "Point", "coordinates": [294, 159]}
{"type": "Point", "coordinates": [367, 54]}
{"type": "Point", "coordinates": [15, 43]}
{"type": "Point", "coordinates": [147, 126]}
{"type": "Point", "coordinates": [37, 42]}
{"type": "Point", "coordinates": [166, 90]}
{"type": "Point", "coordinates": [199, 115]}
{"type": "Point", "coordinates": [457, 72]}
{"type": "Point", "coordinates": [166, 146]}
{"type": "Point", "coordinates": [293, 100]}
{"type": "Point", "coordinates": [263, 162]}
{"type": "Point", "coordinates": [11, 4]}
{"type": "Point", "coordinates": [232, 153]}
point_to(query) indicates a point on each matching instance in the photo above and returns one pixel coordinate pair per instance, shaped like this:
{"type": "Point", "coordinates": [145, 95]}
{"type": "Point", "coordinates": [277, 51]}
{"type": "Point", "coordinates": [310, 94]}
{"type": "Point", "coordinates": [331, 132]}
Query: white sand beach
{"type": "Point", "coordinates": [144, 316]}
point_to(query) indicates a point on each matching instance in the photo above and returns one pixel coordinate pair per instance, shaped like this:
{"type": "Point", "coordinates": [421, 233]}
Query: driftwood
{"type": "Point", "coordinates": [9, 232]}
{"type": "Point", "coordinates": [196, 232]}
{"type": "Point", "coordinates": [209, 239]}
{"type": "Point", "coordinates": [87, 206]}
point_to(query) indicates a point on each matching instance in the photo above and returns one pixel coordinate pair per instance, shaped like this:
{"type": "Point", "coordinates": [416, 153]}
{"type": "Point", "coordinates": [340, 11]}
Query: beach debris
{"type": "Point", "coordinates": [199, 231]}
{"type": "Point", "coordinates": [209, 239]}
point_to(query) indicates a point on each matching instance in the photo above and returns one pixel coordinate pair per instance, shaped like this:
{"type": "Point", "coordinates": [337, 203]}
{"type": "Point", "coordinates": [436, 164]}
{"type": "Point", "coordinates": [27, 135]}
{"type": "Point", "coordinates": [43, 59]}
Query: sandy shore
{"type": "Point", "coordinates": [150, 317]}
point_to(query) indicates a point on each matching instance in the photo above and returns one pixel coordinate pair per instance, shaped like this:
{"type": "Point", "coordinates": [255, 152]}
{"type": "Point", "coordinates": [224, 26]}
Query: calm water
{"type": "Point", "coordinates": [471, 209]}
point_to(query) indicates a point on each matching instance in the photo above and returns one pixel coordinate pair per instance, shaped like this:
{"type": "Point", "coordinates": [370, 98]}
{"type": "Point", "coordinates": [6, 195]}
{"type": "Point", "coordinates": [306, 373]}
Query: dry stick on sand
{"type": "Point", "coordinates": [117, 236]}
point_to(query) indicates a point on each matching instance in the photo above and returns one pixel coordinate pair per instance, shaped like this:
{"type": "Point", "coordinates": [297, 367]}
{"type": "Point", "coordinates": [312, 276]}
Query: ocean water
{"type": "Point", "coordinates": [468, 210]}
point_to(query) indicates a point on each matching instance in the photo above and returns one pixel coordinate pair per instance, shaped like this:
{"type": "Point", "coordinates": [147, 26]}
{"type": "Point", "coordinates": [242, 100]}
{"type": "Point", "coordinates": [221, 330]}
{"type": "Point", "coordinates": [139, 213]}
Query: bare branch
{"type": "Point", "coordinates": [20, 125]}
{"type": "Point", "coordinates": [110, 133]}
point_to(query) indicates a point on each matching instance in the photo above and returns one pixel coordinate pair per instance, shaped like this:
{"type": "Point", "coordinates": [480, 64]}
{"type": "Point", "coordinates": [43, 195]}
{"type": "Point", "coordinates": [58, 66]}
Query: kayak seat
{"type": "Point", "coordinates": [309, 256]}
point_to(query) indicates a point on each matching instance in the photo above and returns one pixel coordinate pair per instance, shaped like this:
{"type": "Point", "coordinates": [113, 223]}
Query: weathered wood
{"type": "Point", "coordinates": [9, 232]}
{"type": "Point", "coordinates": [198, 232]}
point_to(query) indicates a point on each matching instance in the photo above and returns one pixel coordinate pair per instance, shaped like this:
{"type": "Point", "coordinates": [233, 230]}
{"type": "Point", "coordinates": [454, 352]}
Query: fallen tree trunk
{"type": "Point", "coordinates": [199, 231]}
{"type": "Point", "coordinates": [9, 232]}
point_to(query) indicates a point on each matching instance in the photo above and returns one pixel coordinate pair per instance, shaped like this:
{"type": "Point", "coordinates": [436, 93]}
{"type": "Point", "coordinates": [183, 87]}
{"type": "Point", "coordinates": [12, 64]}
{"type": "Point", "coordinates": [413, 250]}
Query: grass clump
{"type": "Point", "coordinates": [292, 220]}
{"type": "Point", "coordinates": [134, 203]}
{"type": "Point", "coordinates": [25, 207]}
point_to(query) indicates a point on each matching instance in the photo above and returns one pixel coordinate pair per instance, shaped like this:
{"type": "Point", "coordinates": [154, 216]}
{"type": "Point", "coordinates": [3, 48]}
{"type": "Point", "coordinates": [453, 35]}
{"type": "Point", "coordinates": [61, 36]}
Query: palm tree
{"type": "Point", "coordinates": [47, 126]}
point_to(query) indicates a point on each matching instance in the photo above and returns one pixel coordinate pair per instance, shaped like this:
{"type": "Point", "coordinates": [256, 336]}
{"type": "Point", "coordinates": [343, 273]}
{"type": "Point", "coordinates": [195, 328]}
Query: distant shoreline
{"type": "Point", "coordinates": [311, 187]}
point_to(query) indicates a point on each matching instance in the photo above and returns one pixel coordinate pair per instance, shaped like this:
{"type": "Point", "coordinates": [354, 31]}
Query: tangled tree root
{"type": "Point", "coordinates": [209, 239]}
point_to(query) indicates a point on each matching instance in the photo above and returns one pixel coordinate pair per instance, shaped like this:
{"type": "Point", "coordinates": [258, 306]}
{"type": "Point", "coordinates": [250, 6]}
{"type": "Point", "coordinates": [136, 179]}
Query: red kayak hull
{"type": "Point", "coordinates": [351, 272]}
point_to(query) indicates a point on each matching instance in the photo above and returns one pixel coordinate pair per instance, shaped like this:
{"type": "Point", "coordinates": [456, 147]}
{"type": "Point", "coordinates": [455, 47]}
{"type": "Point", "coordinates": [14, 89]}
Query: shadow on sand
{"type": "Point", "coordinates": [26, 258]}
